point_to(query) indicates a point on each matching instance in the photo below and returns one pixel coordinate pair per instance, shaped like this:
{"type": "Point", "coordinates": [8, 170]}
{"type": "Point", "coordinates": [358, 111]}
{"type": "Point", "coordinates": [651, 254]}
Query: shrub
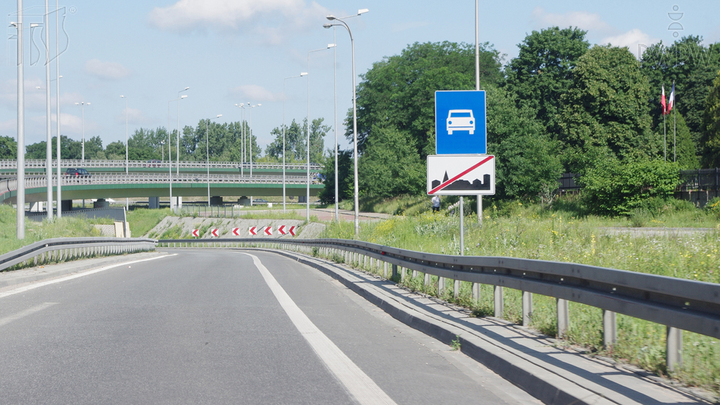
{"type": "Point", "coordinates": [616, 188]}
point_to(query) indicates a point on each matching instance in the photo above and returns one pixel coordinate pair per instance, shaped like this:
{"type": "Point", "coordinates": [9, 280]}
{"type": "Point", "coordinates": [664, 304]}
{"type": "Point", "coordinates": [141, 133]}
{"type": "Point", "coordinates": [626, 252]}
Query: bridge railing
{"type": "Point", "coordinates": [7, 164]}
{"type": "Point", "coordinates": [64, 249]}
{"type": "Point", "coordinates": [678, 304]}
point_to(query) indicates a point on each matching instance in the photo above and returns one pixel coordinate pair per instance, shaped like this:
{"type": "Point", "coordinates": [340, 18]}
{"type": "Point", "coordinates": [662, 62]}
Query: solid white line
{"type": "Point", "coordinates": [73, 276]}
{"type": "Point", "coordinates": [357, 383]}
{"type": "Point", "coordinates": [22, 314]}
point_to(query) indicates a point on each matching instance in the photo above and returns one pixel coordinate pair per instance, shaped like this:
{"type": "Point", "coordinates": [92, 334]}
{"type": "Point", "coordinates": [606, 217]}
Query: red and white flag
{"type": "Point", "coordinates": [662, 101]}
{"type": "Point", "coordinates": [671, 100]}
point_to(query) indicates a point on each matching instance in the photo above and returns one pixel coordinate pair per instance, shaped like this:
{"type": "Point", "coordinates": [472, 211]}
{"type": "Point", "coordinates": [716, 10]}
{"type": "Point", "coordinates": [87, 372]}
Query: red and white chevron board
{"type": "Point", "coordinates": [282, 230]}
{"type": "Point", "coordinates": [236, 231]}
{"type": "Point", "coordinates": [214, 232]}
{"type": "Point", "coordinates": [268, 230]}
{"type": "Point", "coordinates": [292, 231]}
{"type": "Point", "coordinates": [196, 233]}
{"type": "Point", "coordinates": [253, 230]}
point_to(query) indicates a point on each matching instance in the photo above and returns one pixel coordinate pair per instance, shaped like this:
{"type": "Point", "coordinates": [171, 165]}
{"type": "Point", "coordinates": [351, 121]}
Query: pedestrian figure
{"type": "Point", "coordinates": [436, 203]}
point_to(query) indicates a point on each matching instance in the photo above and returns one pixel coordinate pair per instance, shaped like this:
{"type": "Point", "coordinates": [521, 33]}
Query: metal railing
{"type": "Point", "coordinates": [64, 249]}
{"type": "Point", "coordinates": [9, 164]}
{"type": "Point", "coordinates": [678, 304]}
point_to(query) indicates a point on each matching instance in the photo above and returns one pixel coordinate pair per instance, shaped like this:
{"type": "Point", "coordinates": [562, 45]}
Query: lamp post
{"type": "Point", "coordinates": [48, 158]}
{"type": "Point", "coordinates": [178, 128]}
{"type": "Point", "coordinates": [355, 151]}
{"type": "Point", "coordinates": [241, 106]}
{"type": "Point", "coordinates": [283, 123]}
{"type": "Point", "coordinates": [162, 151]}
{"type": "Point", "coordinates": [307, 196]}
{"type": "Point", "coordinates": [127, 201]}
{"type": "Point", "coordinates": [57, 107]}
{"type": "Point", "coordinates": [250, 139]}
{"type": "Point", "coordinates": [82, 106]}
{"type": "Point", "coordinates": [20, 214]}
{"type": "Point", "coordinates": [207, 153]}
{"type": "Point", "coordinates": [170, 143]}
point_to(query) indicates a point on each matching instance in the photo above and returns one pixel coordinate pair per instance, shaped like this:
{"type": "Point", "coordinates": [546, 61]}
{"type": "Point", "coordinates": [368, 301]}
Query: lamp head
{"type": "Point", "coordinates": [303, 74]}
{"type": "Point", "coordinates": [331, 17]}
{"type": "Point", "coordinates": [259, 104]}
{"type": "Point", "coordinates": [181, 97]}
{"type": "Point", "coordinates": [362, 11]}
{"type": "Point", "coordinates": [327, 25]}
{"type": "Point", "coordinates": [218, 116]}
{"type": "Point", "coordinates": [121, 96]}
{"type": "Point", "coordinates": [331, 46]}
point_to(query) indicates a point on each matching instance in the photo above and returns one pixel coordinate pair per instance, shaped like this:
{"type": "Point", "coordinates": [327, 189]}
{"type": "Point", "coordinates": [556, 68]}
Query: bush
{"type": "Point", "coordinates": [617, 188]}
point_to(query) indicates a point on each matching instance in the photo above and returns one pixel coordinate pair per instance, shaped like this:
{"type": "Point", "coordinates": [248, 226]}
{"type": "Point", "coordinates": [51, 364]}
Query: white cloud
{"type": "Point", "coordinates": [581, 19]}
{"type": "Point", "coordinates": [135, 117]}
{"type": "Point", "coordinates": [106, 70]}
{"type": "Point", "coordinates": [254, 93]}
{"type": "Point", "coordinates": [237, 15]}
{"type": "Point", "coordinates": [635, 40]}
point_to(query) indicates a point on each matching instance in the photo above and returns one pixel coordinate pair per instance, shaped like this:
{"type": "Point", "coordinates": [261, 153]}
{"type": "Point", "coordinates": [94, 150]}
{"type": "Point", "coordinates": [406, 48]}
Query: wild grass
{"type": "Point", "coordinates": [143, 220]}
{"type": "Point", "coordinates": [567, 234]}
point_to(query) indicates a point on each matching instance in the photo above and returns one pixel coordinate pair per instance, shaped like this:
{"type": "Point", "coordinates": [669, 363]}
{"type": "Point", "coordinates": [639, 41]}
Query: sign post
{"type": "Point", "coordinates": [461, 166]}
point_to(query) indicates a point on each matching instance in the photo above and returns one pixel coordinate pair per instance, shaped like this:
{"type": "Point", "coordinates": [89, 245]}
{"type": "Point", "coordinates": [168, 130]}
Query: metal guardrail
{"type": "Point", "coordinates": [59, 249]}
{"type": "Point", "coordinates": [94, 163]}
{"type": "Point", "coordinates": [677, 303]}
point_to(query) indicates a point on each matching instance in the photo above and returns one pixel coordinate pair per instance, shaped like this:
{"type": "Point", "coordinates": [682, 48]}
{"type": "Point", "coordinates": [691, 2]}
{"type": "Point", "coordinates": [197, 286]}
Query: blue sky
{"type": "Point", "coordinates": [239, 51]}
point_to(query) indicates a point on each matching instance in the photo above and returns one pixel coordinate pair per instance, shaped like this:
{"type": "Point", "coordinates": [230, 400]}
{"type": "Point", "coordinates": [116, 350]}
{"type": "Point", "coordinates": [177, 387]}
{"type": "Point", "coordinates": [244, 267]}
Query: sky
{"type": "Point", "coordinates": [230, 52]}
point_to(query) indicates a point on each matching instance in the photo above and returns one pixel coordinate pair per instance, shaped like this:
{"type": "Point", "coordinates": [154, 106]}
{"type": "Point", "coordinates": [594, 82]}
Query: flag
{"type": "Point", "coordinates": [671, 99]}
{"type": "Point", "coordinates": [662, 100]}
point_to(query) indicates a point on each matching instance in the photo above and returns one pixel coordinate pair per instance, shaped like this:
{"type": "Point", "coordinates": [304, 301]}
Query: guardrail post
{"type": "Point", "coordinates": [674, 349]}
{"type": "Point", "coordinates": [609, 328]}
{"type": "Point", "coordinates": [427, 279]}
{"type": "Point", "coordinates": [563, 317]}
{"type": "Point", "coordinates": [527, 307]}
{"type": "Point", "coordinates": [385, 269]}
{"type": "Point", "coordinates": [394, 271]}
{"type": "Point", "coordinates": [441, 286]}
{"type": "Point", "coordinates": [499, 301]}
{"type": "Point", "coordinates": [456, 288]}
{"type": "Point", "coordinates": [476, 292]}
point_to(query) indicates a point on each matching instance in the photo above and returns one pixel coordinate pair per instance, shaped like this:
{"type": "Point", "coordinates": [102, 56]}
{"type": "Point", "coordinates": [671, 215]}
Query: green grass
{"type": "Point", "coordinates": [143, 220]}
{"type": "Point", "coordinates": [567, 234]}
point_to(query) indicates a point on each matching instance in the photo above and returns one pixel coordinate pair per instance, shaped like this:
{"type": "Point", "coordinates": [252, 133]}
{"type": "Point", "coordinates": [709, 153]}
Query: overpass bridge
{"type": "Point", "coordinates": [152, 179]}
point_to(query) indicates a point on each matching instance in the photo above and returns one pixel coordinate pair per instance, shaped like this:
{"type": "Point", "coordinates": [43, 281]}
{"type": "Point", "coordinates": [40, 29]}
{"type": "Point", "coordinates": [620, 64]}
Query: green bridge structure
{"type": "Point", "coordinates": [153, 179]}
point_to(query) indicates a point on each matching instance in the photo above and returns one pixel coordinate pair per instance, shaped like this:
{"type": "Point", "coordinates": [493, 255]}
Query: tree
{"type": "Point", "coordinates": [116, 150]}
{"type": "Point", "coordinates": [527, 162]}
{"type": "Point", "coordinates": [543, 70]}
{"type": "Point", "coordinates": [69, 149]}
{"type": "Point", "coordinates": [692, 66]}
{"type": "Point", "coordinates": [399, 91]}
{"type": "Point", "coordinates": [711, 127]}
{"type": "Point", "coordinates": [345, 177]}
{"type": "Point", "coordinates": [604, 114]}
{"type": "Point", "coordinates": [296, 141]}
{"type": "Point", "coordinates": [684, 144]}
{"type": "Point", "coordinates": [8, 148]}
{"type": "Point", "coordinates": [391, 165]}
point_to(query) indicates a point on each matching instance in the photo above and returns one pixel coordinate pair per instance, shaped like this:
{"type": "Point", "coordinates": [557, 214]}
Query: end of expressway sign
{"type": "Point", "coordinates": [461, 175]}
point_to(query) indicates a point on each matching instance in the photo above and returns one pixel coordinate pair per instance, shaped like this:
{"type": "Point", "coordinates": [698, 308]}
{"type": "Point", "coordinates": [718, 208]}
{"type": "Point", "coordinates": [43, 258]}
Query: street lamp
{"type": "Point", "coordinates": [241, 106]}
{"type": "Point", "coordinates": [127, 201]}
{"type": "Point", "coordinates": [355, 151]}
{"type": "Point", "coordinates": [337, 192]}
{"type": "Point", "coordinates": [82, 106]}
{"type": "Point", "coordinates": [250, 139]}
{"type": "Point", "coordinates": [20, 214]}
{"type": "Point", "coordinates": [170, 143]}
{"type": "Point", "coordinates": [178, 127]}
{"type": "Point", "coordinates": [283, 151]}
{"type": "Point", "coordinates": [162, 151]}
{"type": "Point", "coordinates": [307, 197]}
{"type": "Point", "coordinates": [207, 153]}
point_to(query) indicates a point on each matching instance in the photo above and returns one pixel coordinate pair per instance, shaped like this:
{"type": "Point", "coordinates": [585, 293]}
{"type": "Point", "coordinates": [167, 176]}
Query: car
{"type": "Point", "coordinates": [460, 120]}
{"type": "Point", "coordinates": [153, 163]}
{"type": "Point", "coordinates": [77, 173]}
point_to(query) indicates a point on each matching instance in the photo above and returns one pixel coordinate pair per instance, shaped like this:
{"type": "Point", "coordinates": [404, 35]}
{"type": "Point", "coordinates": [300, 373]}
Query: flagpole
{"type": "Point", "coordinates": [664, 135]}
{"type": "Point", "coordinates": [674, 122]}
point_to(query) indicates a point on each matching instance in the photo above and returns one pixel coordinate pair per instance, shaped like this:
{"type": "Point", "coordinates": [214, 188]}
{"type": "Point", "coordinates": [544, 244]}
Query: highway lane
{"type": "Point", "coordinates": [213, 326]}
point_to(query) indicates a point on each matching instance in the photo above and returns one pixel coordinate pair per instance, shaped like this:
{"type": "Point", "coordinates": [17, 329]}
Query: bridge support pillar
{"type": "Point", "coordinates": [527, 307]}
{"type": "Point", "coordinates": [101, 203]}
{"type": "Point", "coordinates": [154, 203]}
{"type": "Point", "coordinates": [216, 200]}
{"type": "Point", "coordinates": [563, 317]}
{"type": "Point", "coordinates": [66, 205]}
{"type": "Point", "coordinates": [674, 349]}
{"type": "Point", "coordinates": [609, 328]}
{"type": "Point", "coordinates": [244, 201]}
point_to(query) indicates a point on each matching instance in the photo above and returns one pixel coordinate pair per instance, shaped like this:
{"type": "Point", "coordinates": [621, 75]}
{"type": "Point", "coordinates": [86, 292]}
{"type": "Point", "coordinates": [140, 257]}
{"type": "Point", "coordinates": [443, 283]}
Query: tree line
{"type": "Point", "coordinates": [560, 106]}
{"type": "Point", "coordinates": [224, 143]}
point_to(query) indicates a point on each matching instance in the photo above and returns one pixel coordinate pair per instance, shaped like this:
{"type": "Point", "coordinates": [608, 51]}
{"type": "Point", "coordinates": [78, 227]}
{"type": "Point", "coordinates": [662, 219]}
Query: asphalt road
{"type": "Point", "coordinates": [222, 326]}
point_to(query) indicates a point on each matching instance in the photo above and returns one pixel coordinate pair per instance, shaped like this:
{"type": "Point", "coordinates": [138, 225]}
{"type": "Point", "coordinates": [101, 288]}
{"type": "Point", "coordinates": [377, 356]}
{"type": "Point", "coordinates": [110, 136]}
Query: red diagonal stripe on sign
{"type": "Point", "coordinates": [447, 183]}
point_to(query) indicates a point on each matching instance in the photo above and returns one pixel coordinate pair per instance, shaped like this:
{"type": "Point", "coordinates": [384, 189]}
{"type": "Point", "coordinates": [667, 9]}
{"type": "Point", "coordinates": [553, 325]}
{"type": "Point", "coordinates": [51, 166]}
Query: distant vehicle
{"type": "Point", "coordinates": [153, 163]}
{"type": "Point", "coordinates": [460, 120]}
{"type": "Point", "coordinates": [259, 201]}
{"type": "Point", "coordinates": [77, 173]}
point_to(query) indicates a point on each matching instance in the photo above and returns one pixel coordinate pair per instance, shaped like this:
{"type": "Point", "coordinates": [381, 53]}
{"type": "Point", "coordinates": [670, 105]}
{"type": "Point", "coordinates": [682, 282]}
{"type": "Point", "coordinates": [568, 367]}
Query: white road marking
{"type": "Point", "coordinates": [359, 385]}
{"type": "Point", "coordinates": [72, 276]}
{"type": "Point", "coordinates": [22, 314]}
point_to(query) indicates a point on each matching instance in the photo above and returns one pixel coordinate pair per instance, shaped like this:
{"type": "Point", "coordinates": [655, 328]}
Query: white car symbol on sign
{"type": "Point", "coordinates": [460, 120]}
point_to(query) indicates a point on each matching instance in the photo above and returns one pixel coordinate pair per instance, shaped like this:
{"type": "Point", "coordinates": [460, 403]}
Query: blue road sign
{"type": "Point", "coordinates": [460, 126]}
